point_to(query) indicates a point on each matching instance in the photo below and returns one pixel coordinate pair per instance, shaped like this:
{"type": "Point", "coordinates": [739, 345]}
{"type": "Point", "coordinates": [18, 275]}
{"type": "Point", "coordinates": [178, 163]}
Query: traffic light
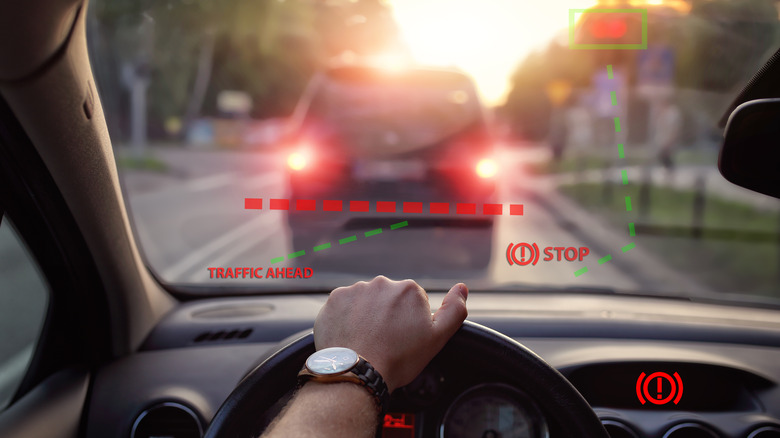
{"type": "Point", "coordinates": [608, 29]}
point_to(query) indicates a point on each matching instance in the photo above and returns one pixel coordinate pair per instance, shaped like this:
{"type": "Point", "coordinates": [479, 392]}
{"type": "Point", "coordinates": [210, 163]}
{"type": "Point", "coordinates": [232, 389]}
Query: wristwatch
{"type": "Point", "coordinates": [339, 364]}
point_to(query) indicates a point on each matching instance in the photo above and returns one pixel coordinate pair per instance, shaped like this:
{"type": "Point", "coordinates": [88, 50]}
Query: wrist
{"type": "Point", "coordinates": [343, 365]}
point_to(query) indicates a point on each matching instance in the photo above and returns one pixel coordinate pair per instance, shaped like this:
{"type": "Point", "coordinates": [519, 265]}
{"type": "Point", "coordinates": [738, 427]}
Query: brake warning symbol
{"type": "Point", "coordinates": [653, 387]}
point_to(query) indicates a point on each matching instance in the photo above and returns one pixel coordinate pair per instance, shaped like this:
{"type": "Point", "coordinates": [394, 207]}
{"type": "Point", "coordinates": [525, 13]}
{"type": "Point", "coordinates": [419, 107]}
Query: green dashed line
{"type": "Point", "coordinates": [321, 247]}
{"type": "Point", "coordinates": [624, 176]}
{"type": "Point", "coordinates": [347, 239]}
{"type": "Point", "coordinates": [399, 225]}
{"type": "Point", "coordinates": [341, 242]}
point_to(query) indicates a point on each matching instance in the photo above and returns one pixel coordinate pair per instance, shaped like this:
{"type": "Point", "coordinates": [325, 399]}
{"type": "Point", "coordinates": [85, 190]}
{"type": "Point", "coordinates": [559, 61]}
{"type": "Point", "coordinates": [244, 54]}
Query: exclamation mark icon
{"type": "Point", "coordinates": [659, 389]}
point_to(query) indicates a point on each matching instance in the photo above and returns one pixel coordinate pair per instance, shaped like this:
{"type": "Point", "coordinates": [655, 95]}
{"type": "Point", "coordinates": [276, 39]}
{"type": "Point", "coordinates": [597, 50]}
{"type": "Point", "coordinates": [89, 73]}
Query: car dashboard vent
{"type": "Point", "coordinates": [167, 419]}
{"type": "Point", "coordinates": [222, 335]}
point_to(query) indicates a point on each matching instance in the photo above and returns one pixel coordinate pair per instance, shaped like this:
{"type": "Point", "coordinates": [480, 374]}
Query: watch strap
{"type": "Point", "coordinates": [362, 373]}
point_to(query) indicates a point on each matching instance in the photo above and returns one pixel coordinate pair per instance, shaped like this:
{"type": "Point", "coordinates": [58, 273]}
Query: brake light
{"type": "Point", "coordinates": [486, 168]}
{"type": "Point", "coordinates": [297, 160]}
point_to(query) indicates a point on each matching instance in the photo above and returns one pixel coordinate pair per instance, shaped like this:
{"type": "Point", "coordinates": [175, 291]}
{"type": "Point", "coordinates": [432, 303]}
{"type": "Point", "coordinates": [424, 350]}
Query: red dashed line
{"type": "Point", "coordinates": [494, 209]}
{"type": "Point", "coordinates": [253, 204]}
{"type": "Point", "coordinates": [440, 207]}
{"type": "Point", "coordinates": [361, 206]}
{"type": "Point", "coordinates": [306, 204]}
{"type": "Point", "coordinates": [412, 207]}
{"type": "Point", "coordinates": [466, 208]}
{"type": "Point", "coordinates": [332, 205]}
{"type": "Point", "coordinates": [280, 204]}
{"type": "Point", "coordinates": [383, 206]}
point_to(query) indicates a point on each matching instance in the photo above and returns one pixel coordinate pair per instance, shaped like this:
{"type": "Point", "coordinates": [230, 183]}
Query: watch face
{"type": "Point", "coordinates": [334, 360]}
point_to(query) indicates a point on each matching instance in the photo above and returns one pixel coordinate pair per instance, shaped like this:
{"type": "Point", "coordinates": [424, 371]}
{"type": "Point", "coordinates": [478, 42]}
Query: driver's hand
{"type": "Point", "coordinates": [390, 324]}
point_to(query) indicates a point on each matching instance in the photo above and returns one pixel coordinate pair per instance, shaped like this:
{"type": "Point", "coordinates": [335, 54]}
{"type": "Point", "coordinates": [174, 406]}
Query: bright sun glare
{"type": "Point", "coordinates": [485, 38]}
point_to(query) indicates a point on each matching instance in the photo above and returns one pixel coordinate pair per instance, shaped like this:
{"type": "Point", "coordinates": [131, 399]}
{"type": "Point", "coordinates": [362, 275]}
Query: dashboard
{"type": "Point", "coordinates": [650, 368]}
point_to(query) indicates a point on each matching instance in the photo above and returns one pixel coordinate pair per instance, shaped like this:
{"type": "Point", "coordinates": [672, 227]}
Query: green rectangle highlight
{"type": "Point", "coordinates": [373, 232]}
{"type": "Point", "coordinates": [609, 71]}
{"type": "Point", "coordinates": [617, 124]}
{"type": "Point", "coordinates": [628, 247]}
{"type": "Point", "coordinates": [579, 272]}
{"type": "Point", "coordinates": [624, 175]}
{"type": "Point", "coordinates": [399, 225]}
{"type": "Point", "coordinates": [621, 153]}
{"type": "Point", "coordinates": [605, 259]}
{"type": "Point", "coordinates": [347, 240]}
{"type": "Point", "coordinates": [631, 229]}
{"type": "Point", "coordinates": [277, 259]}
{"type": "Point", "coordinates": [296, 254]}
{"type": "Point", "coordinates": [642, 45]}
{"type": "Point", "coordinates": [628, 203]}
{"type": "Point", "coordinates": [321, 247]}
{"type": "Point", "coordinates": [613, 96]}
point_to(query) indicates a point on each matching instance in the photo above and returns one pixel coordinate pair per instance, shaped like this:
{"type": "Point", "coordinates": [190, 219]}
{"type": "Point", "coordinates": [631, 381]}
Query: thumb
{"type": "Point", "coordinates": [449, 317]}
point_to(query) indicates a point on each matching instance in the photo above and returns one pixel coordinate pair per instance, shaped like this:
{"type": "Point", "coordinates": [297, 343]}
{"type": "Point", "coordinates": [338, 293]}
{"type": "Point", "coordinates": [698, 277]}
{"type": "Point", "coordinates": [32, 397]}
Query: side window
{"type": "Point", "coordinates": [24, 297]}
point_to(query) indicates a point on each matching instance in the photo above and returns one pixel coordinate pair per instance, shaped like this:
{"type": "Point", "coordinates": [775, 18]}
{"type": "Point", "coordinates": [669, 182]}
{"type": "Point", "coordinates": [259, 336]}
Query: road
{"type": "Point", "coordinates": [196, 220]}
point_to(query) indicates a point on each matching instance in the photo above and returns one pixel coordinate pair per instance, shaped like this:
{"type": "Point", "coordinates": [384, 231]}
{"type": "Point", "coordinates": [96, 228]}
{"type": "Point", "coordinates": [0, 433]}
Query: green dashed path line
{"type": "Point", "coordinates": [399, 225]}
{"type": "Point", "coordinates": [321, 247]}
{"type": "Point", "coordinates": [347, 239]}
{"type": "Point", "coordinates": [624, 177]}
{"type": "Point", "coordinates": [342, 241]}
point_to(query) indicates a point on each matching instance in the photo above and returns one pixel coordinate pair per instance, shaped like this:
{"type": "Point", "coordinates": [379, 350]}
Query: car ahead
{"type": "Point", "coordinates": [100, 342]}
{"type": "Point", "coordinates": [395, 141]}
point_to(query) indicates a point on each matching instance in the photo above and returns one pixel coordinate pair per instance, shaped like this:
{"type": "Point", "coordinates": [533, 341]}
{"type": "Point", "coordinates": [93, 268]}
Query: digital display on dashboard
{"type": "Point", "coordinates": [398, 425]}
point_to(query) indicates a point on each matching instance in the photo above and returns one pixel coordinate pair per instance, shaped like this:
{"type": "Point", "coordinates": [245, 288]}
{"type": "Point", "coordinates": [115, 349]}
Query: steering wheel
{"type": "Point", "coordinates": [477, 347]}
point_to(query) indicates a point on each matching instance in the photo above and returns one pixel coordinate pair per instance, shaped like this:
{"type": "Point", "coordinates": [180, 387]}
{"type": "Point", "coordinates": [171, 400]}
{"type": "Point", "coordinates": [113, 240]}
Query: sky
{"type": "Point", "coordinates": [485, 38]}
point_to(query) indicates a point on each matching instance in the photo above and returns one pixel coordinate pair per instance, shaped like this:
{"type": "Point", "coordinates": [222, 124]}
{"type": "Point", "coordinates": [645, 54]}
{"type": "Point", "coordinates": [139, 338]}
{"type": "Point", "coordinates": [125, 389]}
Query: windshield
{"type": "Point", "coordinates": [298, 145]}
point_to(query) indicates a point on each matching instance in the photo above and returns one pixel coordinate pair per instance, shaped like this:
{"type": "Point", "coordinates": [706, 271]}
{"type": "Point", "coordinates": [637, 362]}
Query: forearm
{"type": "Point", "coordinates": [327, 410]}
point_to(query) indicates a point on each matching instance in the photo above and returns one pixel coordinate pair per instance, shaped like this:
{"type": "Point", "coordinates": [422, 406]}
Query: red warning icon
{"type": "Point", "coordinates": [674, 388]}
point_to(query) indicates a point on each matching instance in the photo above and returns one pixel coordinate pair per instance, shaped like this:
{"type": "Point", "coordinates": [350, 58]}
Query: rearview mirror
{"type": "Point", "coordinates": [750, 156]}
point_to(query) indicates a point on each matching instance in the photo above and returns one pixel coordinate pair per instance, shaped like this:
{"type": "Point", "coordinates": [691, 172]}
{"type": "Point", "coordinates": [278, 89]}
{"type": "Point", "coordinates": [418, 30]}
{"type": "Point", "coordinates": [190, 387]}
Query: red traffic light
{"type": "Point", "coordinates": [608, 28]}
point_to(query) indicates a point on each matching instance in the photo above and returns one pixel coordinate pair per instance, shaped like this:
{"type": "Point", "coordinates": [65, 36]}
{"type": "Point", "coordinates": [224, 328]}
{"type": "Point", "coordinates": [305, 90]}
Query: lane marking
{"type": "Point", "coordinates": [461, 208]}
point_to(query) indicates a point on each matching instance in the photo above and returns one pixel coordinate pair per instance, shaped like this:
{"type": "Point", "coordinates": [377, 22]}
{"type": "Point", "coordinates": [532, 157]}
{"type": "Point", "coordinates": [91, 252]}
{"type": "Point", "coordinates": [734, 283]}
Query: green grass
{"type": "Point", "coordinates": [739, 247]}
{"type": "Point", "coordinates": [142, 163]}
{"type": "Point", "coordinates": [591, 160]}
